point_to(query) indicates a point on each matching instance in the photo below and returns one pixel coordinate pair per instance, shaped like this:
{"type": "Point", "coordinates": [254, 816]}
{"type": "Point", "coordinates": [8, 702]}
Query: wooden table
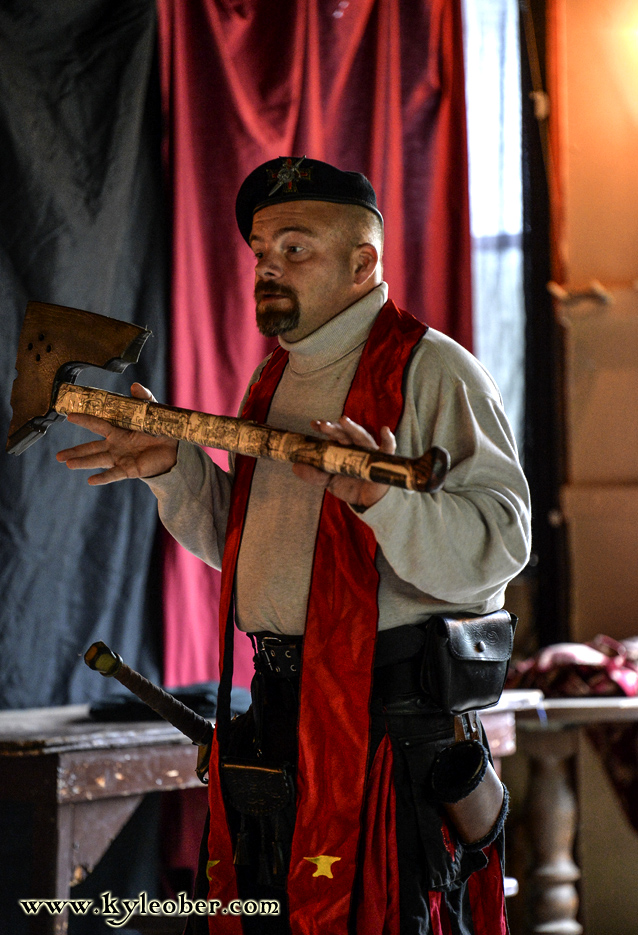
{"type": "Point", "coordinates": [82, 780]}
{"type": "Point", "coordinates": [549, 736]}
{"type": "Point", "coordinates": [500, 727]}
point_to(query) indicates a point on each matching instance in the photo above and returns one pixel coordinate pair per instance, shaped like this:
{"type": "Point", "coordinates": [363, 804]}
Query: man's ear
{"type": "Point", "coordinates": [365, 261]}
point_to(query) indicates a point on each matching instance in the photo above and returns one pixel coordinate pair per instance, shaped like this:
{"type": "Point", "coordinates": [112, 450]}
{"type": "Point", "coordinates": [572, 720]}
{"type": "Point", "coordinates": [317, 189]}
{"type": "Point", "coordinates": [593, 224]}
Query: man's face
{"type": "Point", "coordinates": [304, 272]}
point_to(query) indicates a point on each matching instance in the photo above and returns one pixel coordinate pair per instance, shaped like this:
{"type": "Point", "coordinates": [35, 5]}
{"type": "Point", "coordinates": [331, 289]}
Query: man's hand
{"type": "Point", "coordinates": [123, 453]}
{"type": "Point", "coordinates": [357, 492]}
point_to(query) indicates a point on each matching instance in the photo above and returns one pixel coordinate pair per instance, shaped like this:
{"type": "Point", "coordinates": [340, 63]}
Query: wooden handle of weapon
{"type": "Point", "coordinates": [424, 475]}
{"type": "Point", "coordinates": [109, 664]}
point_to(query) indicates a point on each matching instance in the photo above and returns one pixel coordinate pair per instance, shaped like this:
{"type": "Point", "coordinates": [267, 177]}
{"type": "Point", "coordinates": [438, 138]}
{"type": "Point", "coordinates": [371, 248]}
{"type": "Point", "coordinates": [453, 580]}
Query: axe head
{"type": "Point", "coordinates": [55, 344]}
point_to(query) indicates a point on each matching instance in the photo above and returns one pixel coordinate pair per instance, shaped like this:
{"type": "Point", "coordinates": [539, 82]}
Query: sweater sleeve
{"type": "Point", "coordinates": [193, 498]}
{"type": "Point", "coordinates": [464, 543]}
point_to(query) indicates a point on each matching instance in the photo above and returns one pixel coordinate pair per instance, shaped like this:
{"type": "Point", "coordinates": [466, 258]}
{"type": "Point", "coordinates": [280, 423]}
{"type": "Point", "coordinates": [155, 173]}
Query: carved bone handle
{"type": "Point", "coordinates": [425, 475]}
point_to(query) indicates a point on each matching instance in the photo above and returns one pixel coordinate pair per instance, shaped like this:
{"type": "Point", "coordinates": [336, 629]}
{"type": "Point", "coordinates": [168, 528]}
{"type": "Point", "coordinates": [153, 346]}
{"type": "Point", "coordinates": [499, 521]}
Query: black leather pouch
{"type": "Point", "coordinates": [256, 790]}
{"type": "Point", "coordinates": [261, 794]}
{"type": "Point", "coordinates": [466, 659]}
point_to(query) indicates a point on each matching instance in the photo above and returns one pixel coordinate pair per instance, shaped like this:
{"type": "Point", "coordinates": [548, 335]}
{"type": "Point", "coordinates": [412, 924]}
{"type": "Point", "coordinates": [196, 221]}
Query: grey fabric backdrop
{"type": "Point", "coordinates": [82, 223]}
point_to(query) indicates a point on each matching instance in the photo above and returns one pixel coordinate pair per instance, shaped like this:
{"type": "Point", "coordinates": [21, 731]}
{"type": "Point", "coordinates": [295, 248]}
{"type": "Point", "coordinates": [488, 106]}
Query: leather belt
{"type": "Point", "coordinates": [398, 679]}
{"type": "Point", "coordinates": [398, 644]}
{"type": "Point", "coordinates": [280, 657]}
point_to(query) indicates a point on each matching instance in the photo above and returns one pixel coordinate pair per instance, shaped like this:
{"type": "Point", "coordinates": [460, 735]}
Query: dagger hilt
{"type": "Point", "coordinates": [109, 664]}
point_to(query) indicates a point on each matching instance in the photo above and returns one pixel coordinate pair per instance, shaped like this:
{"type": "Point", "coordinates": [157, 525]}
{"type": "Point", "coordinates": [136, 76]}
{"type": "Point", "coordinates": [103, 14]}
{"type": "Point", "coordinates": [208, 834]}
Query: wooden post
{"type": "Point", "coordinates": [552, 817]}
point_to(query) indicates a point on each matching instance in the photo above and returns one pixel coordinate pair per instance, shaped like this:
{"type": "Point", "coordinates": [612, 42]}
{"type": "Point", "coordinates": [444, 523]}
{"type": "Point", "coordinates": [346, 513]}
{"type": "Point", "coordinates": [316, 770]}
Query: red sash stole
{"type": "Point", "coordinates": [220, 868]}
{"type": "Point", "coordinates": [338, 654]}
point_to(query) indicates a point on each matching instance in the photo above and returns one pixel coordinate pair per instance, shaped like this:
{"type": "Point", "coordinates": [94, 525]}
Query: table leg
{"type": "Point", "coordinates": [51, 865]}
{"type": "Point", "coordinates": [552, 817]}
{"type": "Point", "coordinates": [69, 840]}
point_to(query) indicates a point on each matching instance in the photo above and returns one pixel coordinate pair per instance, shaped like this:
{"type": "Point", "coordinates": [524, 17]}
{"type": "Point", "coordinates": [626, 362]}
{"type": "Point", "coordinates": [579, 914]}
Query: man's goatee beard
{"type": "Point", "coordinates": [273, 320]}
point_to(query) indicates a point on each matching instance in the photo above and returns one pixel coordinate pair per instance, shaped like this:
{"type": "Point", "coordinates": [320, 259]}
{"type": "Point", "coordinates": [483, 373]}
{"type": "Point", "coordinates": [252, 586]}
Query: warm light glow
{"type": "Point", "coordinates": [621, 47]}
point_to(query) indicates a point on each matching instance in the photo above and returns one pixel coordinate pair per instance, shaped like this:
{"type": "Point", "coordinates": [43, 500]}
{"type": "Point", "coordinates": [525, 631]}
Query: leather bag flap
{"type": "Point", "coordinates": [480, 639]}
{"type": "Point", "coordinates": [255, 789]}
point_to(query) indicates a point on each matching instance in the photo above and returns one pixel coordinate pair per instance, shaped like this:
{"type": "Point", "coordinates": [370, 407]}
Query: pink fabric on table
{"type": "Point", "coordinates": [603, 667]}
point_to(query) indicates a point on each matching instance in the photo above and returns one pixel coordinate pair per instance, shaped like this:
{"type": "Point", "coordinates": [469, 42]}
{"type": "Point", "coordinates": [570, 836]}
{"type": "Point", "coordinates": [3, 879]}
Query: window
{"type": "Point", "coordinates": [493, 93]}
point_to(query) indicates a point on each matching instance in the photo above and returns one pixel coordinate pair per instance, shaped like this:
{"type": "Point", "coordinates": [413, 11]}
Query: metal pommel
{"type": "Point", "coordinates": [438, 461]}
{"type": "Point", "coordinates": [102, 659]}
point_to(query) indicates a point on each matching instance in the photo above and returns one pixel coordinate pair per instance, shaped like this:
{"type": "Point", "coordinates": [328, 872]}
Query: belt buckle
{"type": "Point", "coordinates": [270, 655]}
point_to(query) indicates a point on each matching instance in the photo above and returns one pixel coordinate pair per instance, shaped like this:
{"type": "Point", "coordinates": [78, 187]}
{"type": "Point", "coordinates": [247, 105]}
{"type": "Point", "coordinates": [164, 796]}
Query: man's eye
{"type": "Point", "coordinates": [293, 248]}
{"type": "Point", "coordinates": [258, 256]}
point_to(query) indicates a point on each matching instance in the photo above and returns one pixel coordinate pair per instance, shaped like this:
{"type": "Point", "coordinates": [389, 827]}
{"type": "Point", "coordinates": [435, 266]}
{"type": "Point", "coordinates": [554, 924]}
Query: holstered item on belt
{"type": "Point", "coordinates": [466, 660]}
{"type": "Point", "coordinates": [464, 781]}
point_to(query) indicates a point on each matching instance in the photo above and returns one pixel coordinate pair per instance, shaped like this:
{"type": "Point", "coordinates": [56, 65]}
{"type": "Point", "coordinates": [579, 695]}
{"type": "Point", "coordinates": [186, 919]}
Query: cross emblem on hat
{"type": "Point", "coordinates": [288, 176]}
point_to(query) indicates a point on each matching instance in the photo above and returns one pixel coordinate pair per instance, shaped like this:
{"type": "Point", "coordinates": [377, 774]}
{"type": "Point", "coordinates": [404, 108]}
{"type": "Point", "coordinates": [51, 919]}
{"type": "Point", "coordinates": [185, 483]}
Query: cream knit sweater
{"type": "Point", "coordinates": [450, 551]}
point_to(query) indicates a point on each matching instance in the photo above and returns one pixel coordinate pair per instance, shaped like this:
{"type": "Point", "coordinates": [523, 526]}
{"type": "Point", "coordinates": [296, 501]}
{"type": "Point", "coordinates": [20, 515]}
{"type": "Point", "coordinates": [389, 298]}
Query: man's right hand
{"type": "Point", "coordinates": [121, 452]}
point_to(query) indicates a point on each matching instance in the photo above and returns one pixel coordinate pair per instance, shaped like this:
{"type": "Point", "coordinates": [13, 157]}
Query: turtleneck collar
{"type": "Point", "coordinates": [339, 336]}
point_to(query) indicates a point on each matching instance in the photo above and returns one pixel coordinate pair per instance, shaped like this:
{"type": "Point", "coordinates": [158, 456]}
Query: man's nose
{"type": "Point", "coordinates": [268, 267]}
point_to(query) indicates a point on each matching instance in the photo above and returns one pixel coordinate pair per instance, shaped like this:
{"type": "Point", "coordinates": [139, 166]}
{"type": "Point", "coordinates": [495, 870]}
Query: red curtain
{"type": "Point", "coordinates": [371, 85]}
{"type": "Point", "coordinates": [556, 57]}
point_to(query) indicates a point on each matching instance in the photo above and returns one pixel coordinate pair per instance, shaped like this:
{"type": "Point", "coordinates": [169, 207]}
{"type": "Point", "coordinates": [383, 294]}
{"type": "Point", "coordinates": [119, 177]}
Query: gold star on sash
{"type": "Point", "coordinates": [209, 868]}
{"type": "Point", "coordinates": [324, 865]}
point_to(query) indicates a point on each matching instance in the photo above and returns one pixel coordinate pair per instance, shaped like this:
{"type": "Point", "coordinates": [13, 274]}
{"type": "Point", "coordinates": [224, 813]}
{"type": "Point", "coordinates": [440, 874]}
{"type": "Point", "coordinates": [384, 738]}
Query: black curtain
{"type": "Point", "coordinates": [83, 224]}
{"type": "Point", "coordinates": [543, 355]}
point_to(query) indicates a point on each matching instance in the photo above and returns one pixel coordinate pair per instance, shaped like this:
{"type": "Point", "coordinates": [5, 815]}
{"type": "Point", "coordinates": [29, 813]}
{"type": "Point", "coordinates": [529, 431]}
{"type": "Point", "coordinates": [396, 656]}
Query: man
{"type": "Point", "coordinates": [334, 577]}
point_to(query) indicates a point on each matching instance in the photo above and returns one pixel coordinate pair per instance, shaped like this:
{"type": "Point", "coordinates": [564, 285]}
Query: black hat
{"type": "Point", "coordinates": [296, 178]}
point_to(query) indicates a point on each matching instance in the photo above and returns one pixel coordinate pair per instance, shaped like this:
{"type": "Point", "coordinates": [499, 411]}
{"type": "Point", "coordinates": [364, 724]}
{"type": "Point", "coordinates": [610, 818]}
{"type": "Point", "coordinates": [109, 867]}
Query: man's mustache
{"type": "Point", "coordinates": [264, 288]}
